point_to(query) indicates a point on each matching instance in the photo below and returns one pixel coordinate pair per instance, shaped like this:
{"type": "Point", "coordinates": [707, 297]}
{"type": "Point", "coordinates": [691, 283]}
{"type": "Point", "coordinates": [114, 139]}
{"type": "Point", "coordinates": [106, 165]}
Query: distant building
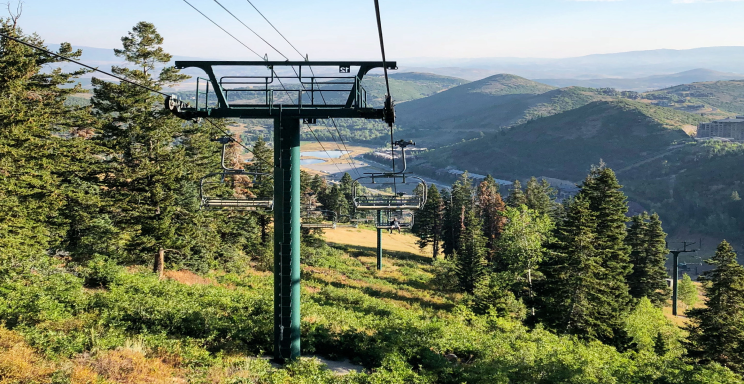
{"type": "Point", "coordinates": [727, 128]}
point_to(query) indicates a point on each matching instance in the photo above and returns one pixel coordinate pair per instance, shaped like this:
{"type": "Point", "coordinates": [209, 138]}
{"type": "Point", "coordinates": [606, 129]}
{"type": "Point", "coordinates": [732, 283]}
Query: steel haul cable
{"type": "Point", "coordinates": [226, 133]}
{"type": "Point", "coordinates": [262, 58]}
{"type": "Point", "coordinates": [82, 64]}
{"type": "Point", "coordinates": [387, 85]}
{"type": "Point", "coordinates": [350, 159]}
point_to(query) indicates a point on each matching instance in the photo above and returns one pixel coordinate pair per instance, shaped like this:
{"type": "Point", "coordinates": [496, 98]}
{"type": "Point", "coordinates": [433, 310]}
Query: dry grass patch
{"type": "Point", "coordinates": [19, 363]}
{"type": "Point", "coordinates": [127, 366]}
{"type": "Point", "coordinates": [188, 278]}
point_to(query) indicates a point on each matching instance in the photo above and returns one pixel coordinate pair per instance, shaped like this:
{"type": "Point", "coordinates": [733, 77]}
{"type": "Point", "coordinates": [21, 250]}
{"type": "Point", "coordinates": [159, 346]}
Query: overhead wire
{"type": "Point", "coordinates": [82, 64]}
{"type": "Point", "coordinates": [226, 133]}
{"type": "Point", "coordinates": [262, 58]}
{"type": "Point", "coordinates": [350, 159]}
{"type": "Point", "coordinates": [389, 97]}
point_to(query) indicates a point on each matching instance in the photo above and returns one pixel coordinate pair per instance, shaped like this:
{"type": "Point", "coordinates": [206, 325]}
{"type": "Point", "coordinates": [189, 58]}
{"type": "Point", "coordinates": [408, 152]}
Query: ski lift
{"type": "Point", "coordinates": [319, 219]}
{"type": "Point", "coordinates": [406, 192]}
{"type": "Point", "coordinates": [233, 189]}
{"type": "Point", "coordinates": [404, 219]}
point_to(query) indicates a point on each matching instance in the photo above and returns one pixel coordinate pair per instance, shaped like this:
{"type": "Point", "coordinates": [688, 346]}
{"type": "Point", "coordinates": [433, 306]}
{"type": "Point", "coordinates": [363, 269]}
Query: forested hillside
{"type": "Point", "coordinates": [111, 271]}
{"type": "Point", "coordinates": [620, 132]}
{"type": "Point", "coordinates": [728, 96]}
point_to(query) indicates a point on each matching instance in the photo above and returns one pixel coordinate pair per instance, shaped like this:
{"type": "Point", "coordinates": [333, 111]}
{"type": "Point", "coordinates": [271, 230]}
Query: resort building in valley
{"type": "Point", "coordinates": [731, 128]}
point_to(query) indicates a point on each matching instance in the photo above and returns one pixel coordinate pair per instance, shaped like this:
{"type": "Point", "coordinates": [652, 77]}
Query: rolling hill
{"type": "Point", "coordinates": [726, 96]}
{"type": "Point", "coordinates": [486, 106]}
{"type": "Point", "coordinates": [565, 145]}
{"type": "Point", "coordinates": [647, 83]}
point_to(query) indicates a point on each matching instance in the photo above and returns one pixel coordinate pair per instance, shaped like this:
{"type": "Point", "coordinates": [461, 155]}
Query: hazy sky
{"type": "Point", "coordinates": [336, 29]}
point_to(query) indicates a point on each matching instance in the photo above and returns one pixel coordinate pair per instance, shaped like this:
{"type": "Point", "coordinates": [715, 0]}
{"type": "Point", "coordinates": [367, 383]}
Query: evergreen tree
{"type": "Point", "coordinates": [602, 191]}
{"type": "Point", "coordinates": [516, 195]}
{"type": "Point", "coordinates": [448, 224]}
{"type": "Point", "coordinates": [648, 257]}
{"type": "Point", "coordinates": [540, 196]}
{"type": "Point", "coordinates": [428, 222]}
{"type": "Point", "coordinates": [490, 208]}
{"type": "Point", "coordinates": [460, 205]}
{"type": "Point", "coordinates": [470, 260]}
{"type": "Point", "coordinates": [44, 151]}
{"type": "Point", "coordinates": [263, 163]}
{"type": "Point", "coordinates": [573, 298]}
{"type": "Point", "coordinates": [346, 185]}
{"type": "Point", "coordinates": [150, 168]}
{"type": "Point", "coordinates": [717, 330]}
{"type": "Point", "coordinates": [687, 291]}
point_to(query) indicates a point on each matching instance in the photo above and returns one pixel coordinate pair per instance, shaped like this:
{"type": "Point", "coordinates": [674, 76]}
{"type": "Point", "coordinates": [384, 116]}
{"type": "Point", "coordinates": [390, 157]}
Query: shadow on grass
{"type": "Point", "coordinates": [381, 294]}
{"type": "Point", "coordinates": [357, 250]}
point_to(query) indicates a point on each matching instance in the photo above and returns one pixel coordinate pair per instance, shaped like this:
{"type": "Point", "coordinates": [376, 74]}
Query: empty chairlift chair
{"type": "Point", "coordinates": [390, 191]}
{"type": "Point", "coordinates": [236, 189]}
{"type": "Point", "coordinates": [319, 219]}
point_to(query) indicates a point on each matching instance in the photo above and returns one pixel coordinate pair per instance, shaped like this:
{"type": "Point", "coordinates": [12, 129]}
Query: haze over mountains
{"type": "Point", "coordinates": [615, 65]}
{"type": "Point", "coordinates": [647, 83]}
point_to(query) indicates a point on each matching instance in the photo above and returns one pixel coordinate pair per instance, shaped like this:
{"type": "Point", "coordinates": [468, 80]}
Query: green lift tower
{"type": "Point", "coordinates": [288, 92]}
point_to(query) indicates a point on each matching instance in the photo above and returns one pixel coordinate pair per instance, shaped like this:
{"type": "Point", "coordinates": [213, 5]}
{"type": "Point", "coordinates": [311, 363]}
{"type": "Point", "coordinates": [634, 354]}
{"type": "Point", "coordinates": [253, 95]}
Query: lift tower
{"type": "Point", "coordinates": [675, 272]}
{"type": "Point", "coordinates": [279, 90]}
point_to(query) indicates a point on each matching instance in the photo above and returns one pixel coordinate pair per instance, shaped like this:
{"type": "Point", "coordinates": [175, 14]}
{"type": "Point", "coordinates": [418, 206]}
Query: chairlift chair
{"type": "Point", "coordinates": [405, 219]}
{"type": "Point", "coordinates": [319, 219]}
{"type": "Point", "coordinates": [364, 200]}
{"type": "Point", "coordinates": [233, 189]}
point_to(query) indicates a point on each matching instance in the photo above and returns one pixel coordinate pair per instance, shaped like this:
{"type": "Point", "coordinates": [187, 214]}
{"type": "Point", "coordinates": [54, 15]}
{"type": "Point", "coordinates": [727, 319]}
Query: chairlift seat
{"type": "Point", "coordinates": [238, 204]}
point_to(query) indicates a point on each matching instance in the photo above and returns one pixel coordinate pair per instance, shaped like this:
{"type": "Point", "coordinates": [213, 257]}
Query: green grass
{"type": "Point", "coordinates": [399, 324]}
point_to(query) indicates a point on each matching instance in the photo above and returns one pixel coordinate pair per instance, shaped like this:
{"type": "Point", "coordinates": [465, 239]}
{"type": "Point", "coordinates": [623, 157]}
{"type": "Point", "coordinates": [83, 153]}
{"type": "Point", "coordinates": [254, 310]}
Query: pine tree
{"type": "Point", "coordinates": [717, 330]}
{"type": "Point", "coordinates": [428, 222]}
{"type": "Point", "coordinates": [516, 195]}
{"type": "Point", "coordinates": [573, 297]}
{"type": "Point", "coordinates": [490, 209]}
{"type": "Point", "coordinates": [470, 259]}
{"type": "Point", "coordinates": [540, 196]}
{"type": "Point", "coordinates": [346, 185]}
{"type": "Point", "coordinates": [602, 191]}
{"type": "Point", "coordinates": [44, 151]}
{"type": "Point", "coordinates": [647, 240]}
{"type": "Point", "coordinates": [148, 173]}
{"type": "Point", "coordinates": [687, 291]}
{"type": "Point", "coordinates": [459, 206]}
{"type": "Point", "coordinates": [263, 163]}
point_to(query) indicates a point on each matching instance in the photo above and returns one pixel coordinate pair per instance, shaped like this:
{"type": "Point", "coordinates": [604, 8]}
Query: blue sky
{"type": "Point", "coordinates": [336, 29]}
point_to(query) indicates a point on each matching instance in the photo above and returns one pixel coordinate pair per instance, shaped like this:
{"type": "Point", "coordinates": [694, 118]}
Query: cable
{"type": "Point", "coordinates": [262, 58]}
{"type": "Point", "coordinates": [382, 45]}
{"type": "Point", "coordinates": [224, 30]}
{"type": "Point", "coordinates": [350, 159]}
{"type": "Point", "coordinates": [321, 146]}
{"type": "Point", "coordinates": [249, 28]}
{"type": "Point", "coordinates": [227, 134]}
{"type": "Point", "coordinates": [277, 31]}
{"type": "Point", "coordinates": [82, 65]}
{"type": "Point", "coordinates": [387, 84]}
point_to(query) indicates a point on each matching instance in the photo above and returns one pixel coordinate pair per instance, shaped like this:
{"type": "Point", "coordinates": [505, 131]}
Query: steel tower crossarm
{"type": "Point", "coordinates": [296, 86]}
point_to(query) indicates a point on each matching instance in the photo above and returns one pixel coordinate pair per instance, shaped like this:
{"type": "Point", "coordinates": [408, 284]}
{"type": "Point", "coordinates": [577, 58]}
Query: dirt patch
{"type": "Point", "coordinates": [187, 277]}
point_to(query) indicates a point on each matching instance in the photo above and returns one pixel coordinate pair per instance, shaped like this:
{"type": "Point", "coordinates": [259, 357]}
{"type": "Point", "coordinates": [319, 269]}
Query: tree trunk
{"type": "Point", "coordinates": [529, 281]}
{"type": "Point", "coordinates": [159, 265]}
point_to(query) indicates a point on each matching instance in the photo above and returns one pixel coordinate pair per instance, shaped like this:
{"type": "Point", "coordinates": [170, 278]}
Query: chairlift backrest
{"type": "Point", "coordinates": [233, 189]}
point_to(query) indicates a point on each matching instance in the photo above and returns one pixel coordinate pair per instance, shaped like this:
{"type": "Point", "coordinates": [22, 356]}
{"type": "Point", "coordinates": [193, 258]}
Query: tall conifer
{"type": "Point", "coordinates": [471, 254]}
{"type": "Point", "coordinates": [648, 258]}
{"type": "Point", "coordinates": [490, 209]}
{"type": "Point", "coordinates": [717, 330]}
{"type": "Point", "coordinates": [428, 222]}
